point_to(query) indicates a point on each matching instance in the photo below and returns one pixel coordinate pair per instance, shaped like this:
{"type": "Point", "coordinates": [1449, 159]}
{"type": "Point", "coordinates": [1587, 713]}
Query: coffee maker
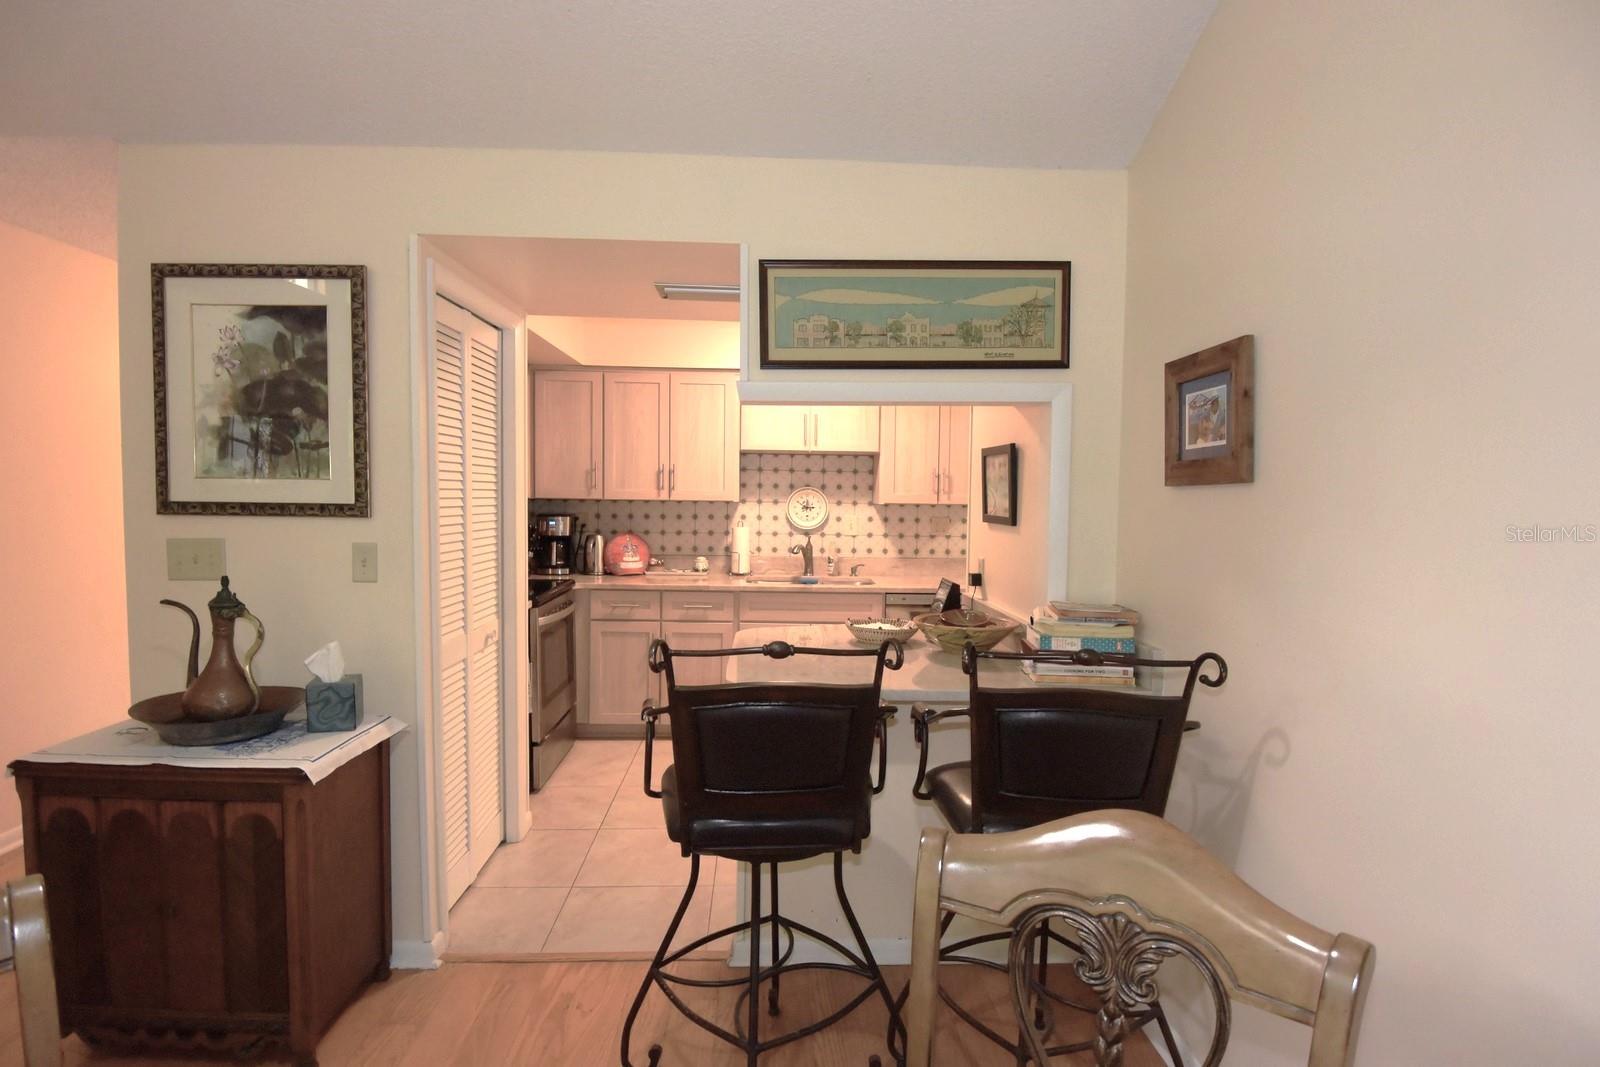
{"type": "Point", "coordinates": [550, 544]}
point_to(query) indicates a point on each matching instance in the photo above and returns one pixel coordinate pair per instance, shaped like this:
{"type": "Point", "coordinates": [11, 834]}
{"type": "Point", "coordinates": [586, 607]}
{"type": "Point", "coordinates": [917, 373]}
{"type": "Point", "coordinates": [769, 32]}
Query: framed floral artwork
{"type": "Point", "coordinates": [260, 389]}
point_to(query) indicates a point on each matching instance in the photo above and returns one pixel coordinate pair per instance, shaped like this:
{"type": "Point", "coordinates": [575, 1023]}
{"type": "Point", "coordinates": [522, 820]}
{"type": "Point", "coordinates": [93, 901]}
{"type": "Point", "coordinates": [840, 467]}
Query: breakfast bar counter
{"type": "Point", "coordinates": [882, 877]}
{"type": "Point", "coordinates": [930, 675]}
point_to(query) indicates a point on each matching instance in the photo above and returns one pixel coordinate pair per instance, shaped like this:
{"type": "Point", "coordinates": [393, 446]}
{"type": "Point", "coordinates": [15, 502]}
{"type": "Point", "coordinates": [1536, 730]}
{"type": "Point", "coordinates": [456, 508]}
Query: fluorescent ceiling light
{"type": "Point", "coordinates": [694, 291]}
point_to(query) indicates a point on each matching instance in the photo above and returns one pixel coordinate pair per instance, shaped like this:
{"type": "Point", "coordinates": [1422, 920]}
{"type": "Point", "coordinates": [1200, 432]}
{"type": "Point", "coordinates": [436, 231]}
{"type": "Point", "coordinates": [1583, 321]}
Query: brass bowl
{"type": "Point", "coordinates": [951, 630]}
{"type": "Point", "coordinates": [164, 714]}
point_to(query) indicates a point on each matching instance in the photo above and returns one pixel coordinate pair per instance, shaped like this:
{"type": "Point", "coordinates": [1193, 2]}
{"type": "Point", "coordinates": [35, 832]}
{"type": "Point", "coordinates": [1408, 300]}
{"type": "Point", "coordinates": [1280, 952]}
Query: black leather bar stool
{"type": "Point", "coordinates": [768, 774]}
{"type": "Point", "coordinates": [1044, 753]}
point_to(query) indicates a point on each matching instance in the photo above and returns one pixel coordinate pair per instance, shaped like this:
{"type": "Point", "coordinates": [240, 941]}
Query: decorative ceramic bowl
{"type": "Point", "coordinates": [877, 631]}
{"type": "Point", "coordinates": [951, 630]}
{"type": "Point", "coordinates": [164, 714]}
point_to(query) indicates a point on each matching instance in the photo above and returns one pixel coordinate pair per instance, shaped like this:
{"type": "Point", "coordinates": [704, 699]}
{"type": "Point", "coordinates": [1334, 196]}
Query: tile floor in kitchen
{"type": "Point", "coordinates": [596, 877]}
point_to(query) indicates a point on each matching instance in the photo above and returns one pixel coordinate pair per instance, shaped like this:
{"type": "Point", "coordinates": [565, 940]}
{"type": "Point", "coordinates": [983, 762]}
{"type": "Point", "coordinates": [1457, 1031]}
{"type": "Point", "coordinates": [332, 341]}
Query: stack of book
{"type": "Point", "coordinates": [1063, 626]}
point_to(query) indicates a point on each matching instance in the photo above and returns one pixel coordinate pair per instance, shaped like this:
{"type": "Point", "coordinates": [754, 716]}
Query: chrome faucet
{"type": "Point", "coordinates": [804, 552]}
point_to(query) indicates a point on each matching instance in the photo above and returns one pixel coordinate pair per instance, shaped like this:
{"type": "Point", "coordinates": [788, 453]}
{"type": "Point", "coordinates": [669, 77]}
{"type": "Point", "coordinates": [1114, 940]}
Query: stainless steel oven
{"type": "Point", "coordinates": [552, 679]}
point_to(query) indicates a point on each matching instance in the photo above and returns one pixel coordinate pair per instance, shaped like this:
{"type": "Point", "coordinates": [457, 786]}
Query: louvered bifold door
{"type": "Point", "coordinates": [466, 481]}
{"type": "Point", "coordinates": [485, 799]}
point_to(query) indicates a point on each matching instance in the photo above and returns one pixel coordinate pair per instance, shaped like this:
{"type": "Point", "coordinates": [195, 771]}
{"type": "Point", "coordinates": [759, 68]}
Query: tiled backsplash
{"type": "Point", "coordinates": [689, 527]}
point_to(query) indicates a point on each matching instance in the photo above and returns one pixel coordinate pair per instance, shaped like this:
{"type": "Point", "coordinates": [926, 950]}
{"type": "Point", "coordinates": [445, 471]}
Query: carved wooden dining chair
{"type": "Point", "coordinates": [1131, 890]}
{"type": "Point", "coordinates": [25, 948]}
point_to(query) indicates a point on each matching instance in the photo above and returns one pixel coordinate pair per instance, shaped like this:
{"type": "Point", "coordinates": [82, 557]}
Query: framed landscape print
{"type": "Point", "coordinates": [1000, 485]}
{"type": "Point", "coordinates": [260, 389]}
{"type": "Point", "coordinates": [914, 313]}
{"type": "Point", "coordinates": [1211, 415]}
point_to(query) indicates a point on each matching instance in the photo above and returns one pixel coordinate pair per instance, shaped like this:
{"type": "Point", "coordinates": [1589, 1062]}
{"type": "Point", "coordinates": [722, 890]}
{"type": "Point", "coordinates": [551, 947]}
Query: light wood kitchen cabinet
{"type": "Point", "coordinates": [844, 428]}
{"type": "Point", "coordinates": [567, 409]}
{"type": "Point", "coordinates": [799, 428]}
{"type": "Point", "coordinates": [619, 672]}
{"type": "Point", "coordinates": [703, 452]}
{"type": "Point", "coordinates": [924, 454]}
{"type": "Point", "coordinates": [775, 428]}
{"type": "Point", "coordinates": [697, 636]}
{"type": "Point", "coordinates": [955, 445]}
{"type": "Point", "coordinates": [637, 416]}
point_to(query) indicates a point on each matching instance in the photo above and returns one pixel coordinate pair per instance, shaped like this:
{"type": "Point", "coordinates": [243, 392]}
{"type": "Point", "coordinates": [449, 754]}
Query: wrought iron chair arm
{"type": "Point", "coordinates": [923, 716]}
{"type": "Point", "coordinates": [650, 713]}
{"type": "Point", "coordinates": [880, 733]}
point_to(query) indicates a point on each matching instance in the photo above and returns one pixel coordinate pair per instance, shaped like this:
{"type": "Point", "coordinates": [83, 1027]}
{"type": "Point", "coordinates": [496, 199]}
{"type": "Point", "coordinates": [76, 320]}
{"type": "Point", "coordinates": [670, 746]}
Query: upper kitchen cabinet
{"type": "Point", "coordinates": [844, 429]}
{"type": "Point", "coordinates": [775, 428]}
{"type": "Point", "coordinates": [635, 435]}
{"type": "Point", "coordinates": [703, 457]}
{"type": "Point", "coordinates": [567, 409]}
{"type": "Point", "coordinates": [638, 414]}
{"type": "Point", "coordinates": [798, 428]}
{"type": "Point", "coordinates": [924, 454]}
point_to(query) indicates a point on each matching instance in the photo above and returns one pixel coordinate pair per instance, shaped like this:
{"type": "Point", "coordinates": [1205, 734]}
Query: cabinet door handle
{"type": "Point", "coordinates": [658, 479]}
{"type": "Point", "coordinates": [949, 484]}
{"type": "Point", "coordinates": [936, 481]}
{"type": "Point", "coordinates": [700, 607]}
{"type": "Point", "coordinates": [672, 478]}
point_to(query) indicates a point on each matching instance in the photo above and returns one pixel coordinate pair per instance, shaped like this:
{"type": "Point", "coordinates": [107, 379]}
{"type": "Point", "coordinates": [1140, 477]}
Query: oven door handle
{"type": "Point", "coordinates": [551, 620]}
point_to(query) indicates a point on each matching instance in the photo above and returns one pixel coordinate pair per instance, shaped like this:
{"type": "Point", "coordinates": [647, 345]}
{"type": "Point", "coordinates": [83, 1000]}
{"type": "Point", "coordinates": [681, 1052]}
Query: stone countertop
{"type": "Point", "coordinates": [930, 674]}
{"type": "Point", "coordinates": [675, 582]}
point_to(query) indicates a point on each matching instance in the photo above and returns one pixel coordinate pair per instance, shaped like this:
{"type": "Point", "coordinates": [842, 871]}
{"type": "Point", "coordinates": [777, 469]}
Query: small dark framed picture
{"type": "Point", "coordinates": [1000, 485]}
{"type": "Point", "coordinates": [1211, 415]}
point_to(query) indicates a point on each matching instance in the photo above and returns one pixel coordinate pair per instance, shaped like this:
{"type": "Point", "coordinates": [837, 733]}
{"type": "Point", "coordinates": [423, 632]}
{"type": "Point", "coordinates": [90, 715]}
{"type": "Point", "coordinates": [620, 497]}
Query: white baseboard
{"type": "Point", "coordinates": [418, 955]}
{"type": "Point", "coordinates": [10, 840]}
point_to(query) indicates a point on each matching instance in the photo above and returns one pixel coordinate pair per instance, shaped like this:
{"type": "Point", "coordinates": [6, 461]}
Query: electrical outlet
{"type": "Point", "coordinates": [196, 559]}
{"type": "Point", "coordinates": [364, 561]}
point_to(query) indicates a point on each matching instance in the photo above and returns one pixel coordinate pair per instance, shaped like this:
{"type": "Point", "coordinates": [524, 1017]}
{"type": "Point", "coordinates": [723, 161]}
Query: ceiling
{"type": "Point", "coordinates": [1032, 83]}
{"type": "Point", "coordinates": [604, 279]}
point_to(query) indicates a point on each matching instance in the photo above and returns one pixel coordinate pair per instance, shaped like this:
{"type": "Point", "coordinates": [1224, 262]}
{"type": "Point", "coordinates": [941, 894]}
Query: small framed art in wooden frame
{"type": "Point", "coordinates": [1211, 416]}
{"type": "Point", "coordinates": [260, 389]}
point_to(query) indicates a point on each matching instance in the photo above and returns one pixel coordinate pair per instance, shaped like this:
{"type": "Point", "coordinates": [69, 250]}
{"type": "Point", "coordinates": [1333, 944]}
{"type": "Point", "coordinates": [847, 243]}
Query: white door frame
{"type": "Point", "coordinates": [436, 273]}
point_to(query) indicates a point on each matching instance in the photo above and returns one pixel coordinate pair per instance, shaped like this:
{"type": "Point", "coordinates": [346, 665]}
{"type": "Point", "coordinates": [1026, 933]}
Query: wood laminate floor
{"type": "Point", "coordinates": [548, 1014]}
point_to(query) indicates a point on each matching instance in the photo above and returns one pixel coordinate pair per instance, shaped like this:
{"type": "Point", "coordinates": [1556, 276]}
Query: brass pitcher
{"type": "Point", "coordinates": [226, 689]}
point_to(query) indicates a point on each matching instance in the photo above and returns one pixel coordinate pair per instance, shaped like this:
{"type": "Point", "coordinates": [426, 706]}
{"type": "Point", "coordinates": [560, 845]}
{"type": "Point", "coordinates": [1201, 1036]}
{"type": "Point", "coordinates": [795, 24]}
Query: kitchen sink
{"type": "Point", "coordinates": [797, 580]}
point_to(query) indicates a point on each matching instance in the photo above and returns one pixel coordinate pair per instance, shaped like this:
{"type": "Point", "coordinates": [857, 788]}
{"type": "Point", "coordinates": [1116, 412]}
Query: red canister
{"type": "Point", "coordinates": [627, 554]}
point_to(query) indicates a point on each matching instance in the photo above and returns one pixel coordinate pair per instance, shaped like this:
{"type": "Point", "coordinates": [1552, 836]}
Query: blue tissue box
{"type": "Point", "coordinates": [333, 705]}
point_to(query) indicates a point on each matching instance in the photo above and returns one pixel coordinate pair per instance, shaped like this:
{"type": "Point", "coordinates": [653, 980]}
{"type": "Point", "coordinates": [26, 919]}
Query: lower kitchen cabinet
{"type": "Point", "coordinates": [698, 636]}
{"type": "Point", "coordinates": [623, 623]}
{"type": "Point", "coordinates": [619, 671]}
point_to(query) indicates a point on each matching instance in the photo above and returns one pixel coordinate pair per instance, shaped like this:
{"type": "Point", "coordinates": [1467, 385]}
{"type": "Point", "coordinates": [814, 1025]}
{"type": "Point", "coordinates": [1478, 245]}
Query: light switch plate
{"type": "Point", "coordinates": [196, 559]}
{"type": "Point", "coordinates": [364, 561]}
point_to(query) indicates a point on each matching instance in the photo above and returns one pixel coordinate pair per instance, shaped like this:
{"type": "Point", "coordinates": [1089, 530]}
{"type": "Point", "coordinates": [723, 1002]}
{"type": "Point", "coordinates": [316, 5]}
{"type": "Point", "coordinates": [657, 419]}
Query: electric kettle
{"type": "Point", "coordinates": [594, 554]}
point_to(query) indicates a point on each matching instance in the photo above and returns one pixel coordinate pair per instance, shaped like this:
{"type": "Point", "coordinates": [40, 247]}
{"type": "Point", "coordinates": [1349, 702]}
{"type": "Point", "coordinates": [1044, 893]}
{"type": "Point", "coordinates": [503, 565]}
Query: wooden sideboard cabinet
{"type": "Point", "coordinates": [213, 908]}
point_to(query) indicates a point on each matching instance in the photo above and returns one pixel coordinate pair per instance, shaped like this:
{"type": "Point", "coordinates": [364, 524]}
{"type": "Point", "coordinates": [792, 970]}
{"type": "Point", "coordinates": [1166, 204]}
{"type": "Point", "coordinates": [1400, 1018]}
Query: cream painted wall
{"type": "Point", "coordinates": [624, 342]}
{"type": "Point", "coordinates": [1013, 579]}
{"type": "Point", "coordinates": [1399, 201]}
{"type": "Point", "coordinates": [63, 632]}
{"type": "Point", "coordinates": [360, 205]}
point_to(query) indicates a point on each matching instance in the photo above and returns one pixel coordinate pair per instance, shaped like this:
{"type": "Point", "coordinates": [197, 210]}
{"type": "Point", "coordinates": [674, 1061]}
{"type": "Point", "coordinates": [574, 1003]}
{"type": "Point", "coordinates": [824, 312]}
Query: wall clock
{"type": "Point", "coordinates": [807, 509]}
